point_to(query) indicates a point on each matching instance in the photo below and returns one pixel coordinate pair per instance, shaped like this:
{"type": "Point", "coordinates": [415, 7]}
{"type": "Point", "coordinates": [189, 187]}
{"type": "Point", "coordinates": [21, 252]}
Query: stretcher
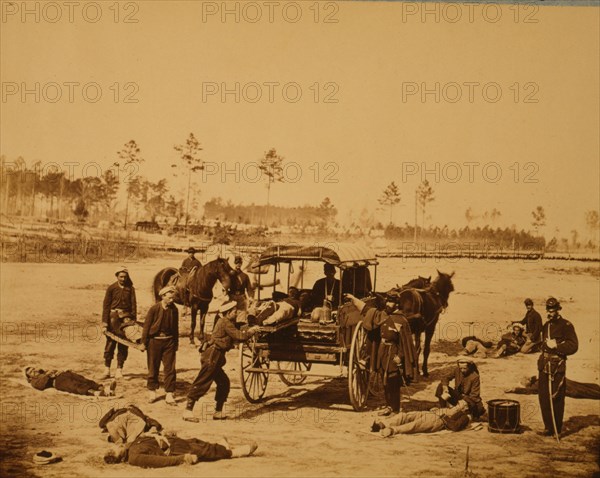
{"type": "Point", "coordinates": [123, 341]}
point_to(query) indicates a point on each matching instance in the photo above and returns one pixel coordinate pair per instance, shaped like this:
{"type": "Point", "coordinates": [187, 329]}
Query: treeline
{"type": "Point", "coordinates": [322, 216]}
{"type": "Point", "coordinates": [505, 238]}
{"type": "Point", "coordinates": [37, 193]}
{"type": "Point", "coordinates": [29, 192]}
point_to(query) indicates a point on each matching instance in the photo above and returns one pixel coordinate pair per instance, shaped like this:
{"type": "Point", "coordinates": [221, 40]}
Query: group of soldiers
{"type": "Point", "coordinates": [160, 338]}
{"type": "Point", "coordinates": [555, 339]}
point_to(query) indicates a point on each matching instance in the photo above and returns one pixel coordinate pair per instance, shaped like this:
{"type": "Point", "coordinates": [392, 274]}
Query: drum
{"type": "Point", "coordinates": [504, 416]}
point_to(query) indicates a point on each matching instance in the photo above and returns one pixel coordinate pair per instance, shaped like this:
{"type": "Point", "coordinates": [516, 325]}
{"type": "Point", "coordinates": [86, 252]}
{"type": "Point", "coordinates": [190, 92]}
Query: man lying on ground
{"type": "Point", "coordinates": [67, 381]}
{"type": "Point", "coordinates": [475, 347]}
{"type": "Point", "coordinates": [157, 450]}
{"type": "Point", "coordinates": [125, 424]}
{"type": "Point", "coordinates": [434, 420]}
{"type": "Point", "coordinates": [574, 389]}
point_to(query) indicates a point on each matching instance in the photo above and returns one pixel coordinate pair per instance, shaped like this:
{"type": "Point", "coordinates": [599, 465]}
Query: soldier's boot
{"type": "Point", "coordinates": [106, 373]}
{"type": "Point", "coordinates": [119, 373]}
{"type": "Point", "coordinates": [170, 399]}
{"type": "Point", "coordinates": [188, 413]}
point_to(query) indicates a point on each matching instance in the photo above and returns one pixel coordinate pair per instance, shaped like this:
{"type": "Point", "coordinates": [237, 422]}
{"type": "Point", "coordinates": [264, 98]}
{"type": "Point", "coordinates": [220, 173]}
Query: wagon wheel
{"type": "Point", "coordinates": [295, 366]}
{"type": "Point", "coordinates": [254, 384]}
{"type": "Point", "coordinates": [358, 369]}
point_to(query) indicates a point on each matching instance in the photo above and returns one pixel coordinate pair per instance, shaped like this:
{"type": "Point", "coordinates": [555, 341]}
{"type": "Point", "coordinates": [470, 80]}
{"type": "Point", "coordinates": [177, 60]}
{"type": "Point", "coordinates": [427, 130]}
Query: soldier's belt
{"type": "Point", "coordinates": [553, 356]}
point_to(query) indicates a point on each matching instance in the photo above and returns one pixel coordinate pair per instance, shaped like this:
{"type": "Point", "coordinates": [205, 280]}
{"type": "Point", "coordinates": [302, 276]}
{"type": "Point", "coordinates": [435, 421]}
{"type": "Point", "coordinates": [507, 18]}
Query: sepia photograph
{"type": "Point", "coordinates": [311, 238]}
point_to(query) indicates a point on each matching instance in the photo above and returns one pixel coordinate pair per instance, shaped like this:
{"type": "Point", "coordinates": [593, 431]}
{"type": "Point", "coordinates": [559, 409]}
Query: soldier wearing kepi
{"type": "Point", "coordinates": [119, 304]}
{"type": "Point", "coordinates": [396, 357]}
{"type": "Point", "coordinates": [213, 360]}
{"type": "Point", "coordinates": [558, 341]}
{"type": "Point", "coordinates": [390, 362]}
{"type": "Point", "coordinates": [244, 291]}
{"type": "Point", "coordinates": [160, 337]}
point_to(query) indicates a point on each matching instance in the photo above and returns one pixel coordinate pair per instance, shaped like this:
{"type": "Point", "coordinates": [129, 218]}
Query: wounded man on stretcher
{"type": "Point", "coordinates": [283, 307]}
{"type": "Point", "coordinates": [128, 329]}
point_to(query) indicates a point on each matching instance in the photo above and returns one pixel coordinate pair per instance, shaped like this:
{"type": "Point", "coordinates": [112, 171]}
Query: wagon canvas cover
{"type": "Point", "coordinates": [340, 255]}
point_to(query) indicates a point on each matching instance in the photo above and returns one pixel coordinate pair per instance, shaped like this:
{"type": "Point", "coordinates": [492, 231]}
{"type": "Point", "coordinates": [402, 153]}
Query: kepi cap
{"type": "Point", "coordinates": [166, 289]}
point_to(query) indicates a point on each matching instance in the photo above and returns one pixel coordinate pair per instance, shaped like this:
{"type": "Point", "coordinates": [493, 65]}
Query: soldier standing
{"type": "Point", "coordinates": [160, 338]}
{"type": "Point", "coordinates": [558, 341]}
{"type": "Point", "coordinates": [390, 361]}
{"type": "Point", "coordinates": [213, 359]}
{"type": "Point", "coordinates": [245, 289]}
{"type": "Point", "coordinates": [119, 303]}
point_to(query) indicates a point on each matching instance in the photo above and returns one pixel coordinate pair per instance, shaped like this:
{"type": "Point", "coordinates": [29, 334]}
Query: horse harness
{"type": "Point", "coordinates": [435, 294]}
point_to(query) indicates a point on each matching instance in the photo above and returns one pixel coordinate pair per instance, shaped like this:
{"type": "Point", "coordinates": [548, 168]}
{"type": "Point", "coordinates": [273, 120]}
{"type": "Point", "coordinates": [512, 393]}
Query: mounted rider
{"type": "Point", "coordinates": [189, 266]}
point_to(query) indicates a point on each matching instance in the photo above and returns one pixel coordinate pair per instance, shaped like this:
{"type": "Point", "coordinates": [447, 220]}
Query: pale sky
{"type": "Point", "coordinates": [370, 61]}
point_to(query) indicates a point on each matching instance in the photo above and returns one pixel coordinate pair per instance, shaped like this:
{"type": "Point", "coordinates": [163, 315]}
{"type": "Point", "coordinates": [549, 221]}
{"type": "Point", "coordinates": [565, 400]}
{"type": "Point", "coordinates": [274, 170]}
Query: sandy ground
{"type": "Point", "coordinates": [50, 316]}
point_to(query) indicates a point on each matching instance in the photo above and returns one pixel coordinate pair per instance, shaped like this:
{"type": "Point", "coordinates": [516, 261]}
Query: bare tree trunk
{"type": "Point", "coordinates": [415, 239]}
{"type": "Point", "coordinates": [6, 196]}
{"type": "Point", "coordinates": [60, 195]}
{"type": "Point", "coordinates": [126, 210]}
{"type": "Point", "coordinates": [268, 201]}
{"type": "Point", "coordinates": [187, 203]}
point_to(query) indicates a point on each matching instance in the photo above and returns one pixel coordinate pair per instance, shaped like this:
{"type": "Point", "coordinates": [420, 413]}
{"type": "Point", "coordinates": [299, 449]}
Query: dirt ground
{"type": "Point", "coordinates": [51, 315]}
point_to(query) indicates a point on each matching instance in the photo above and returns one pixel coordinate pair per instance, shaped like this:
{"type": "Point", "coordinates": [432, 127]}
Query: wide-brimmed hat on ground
{"type": "Point", "coordinates": [45, 457]}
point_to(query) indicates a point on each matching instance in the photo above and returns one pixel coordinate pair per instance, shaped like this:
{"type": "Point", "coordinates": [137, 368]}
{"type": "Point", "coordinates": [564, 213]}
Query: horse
{"type": "Point", "coordinates": [422, 308]}
{"type": "Point", "coordinates": [418, 283]}
{"type": "Point", "coordinates": [196, 289]}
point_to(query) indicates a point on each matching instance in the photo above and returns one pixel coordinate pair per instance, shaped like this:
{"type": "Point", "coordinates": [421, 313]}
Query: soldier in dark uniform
{"type": "Point", "coordinates": [558, 341]}
{"type": "Point", "coordinates": [160, 337]}
{"type": "Point", "coordinates": [327, 288]}
{"type": "Point", "coordinates": [390, 362]}
{"type": "Point", "coordinates": [467, 388]}
{"type": "Point", "coordinates": [213, 360]}
{"type": "Point", "coordinates": [533, 328]}
{"type": "Point", "coordinates": [396, 358]}
{"type": "Point", "coordinates": [119, 304]}
{"type": "Point", "coordinates": [188, 264]}
{"type": "Point", "coordinates": [241, 294]}
{"type": "Point", "coordinates": [512, 342]}
{"type": "Point", "coordinates": [190, 261]}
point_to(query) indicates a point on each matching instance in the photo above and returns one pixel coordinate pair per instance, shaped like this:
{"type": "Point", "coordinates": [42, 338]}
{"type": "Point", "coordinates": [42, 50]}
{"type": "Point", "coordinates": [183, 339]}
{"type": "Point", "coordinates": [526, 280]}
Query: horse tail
{"type": "Point", "coordinates": [162, 279]}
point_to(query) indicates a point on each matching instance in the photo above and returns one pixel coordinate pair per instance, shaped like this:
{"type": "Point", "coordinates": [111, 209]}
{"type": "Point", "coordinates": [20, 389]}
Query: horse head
{"type": "Point", "coordinates": [443, 285]}
{"type": "Point", "coordinates": [418, 283]}
{"type": "Point", "coordinates": [227, 275]}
